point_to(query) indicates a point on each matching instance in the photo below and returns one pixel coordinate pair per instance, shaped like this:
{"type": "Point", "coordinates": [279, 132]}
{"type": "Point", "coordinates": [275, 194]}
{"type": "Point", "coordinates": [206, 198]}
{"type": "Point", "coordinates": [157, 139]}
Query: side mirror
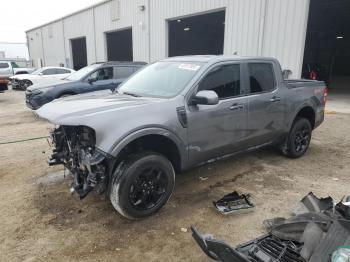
{"type": "Point", "coordinates": [40, 74]}
{"type": "Point", "coordinates": [205, 97]}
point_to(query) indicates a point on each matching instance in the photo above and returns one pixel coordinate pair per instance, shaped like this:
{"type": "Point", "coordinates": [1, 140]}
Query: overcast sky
{"type": "Point", "coordinates": [17, 16]}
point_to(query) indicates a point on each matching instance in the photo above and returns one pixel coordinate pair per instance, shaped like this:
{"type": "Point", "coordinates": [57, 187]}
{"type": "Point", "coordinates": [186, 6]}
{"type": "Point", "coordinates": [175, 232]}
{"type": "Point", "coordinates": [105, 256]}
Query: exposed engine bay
{"type": "Point", "coordinates": [74, 147]}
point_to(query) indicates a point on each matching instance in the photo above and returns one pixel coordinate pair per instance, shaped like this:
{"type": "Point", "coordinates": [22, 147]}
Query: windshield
{"type": "Point", "coordinates": [161, 79]}
{"type": "Point", "coordinates": [78, 75]}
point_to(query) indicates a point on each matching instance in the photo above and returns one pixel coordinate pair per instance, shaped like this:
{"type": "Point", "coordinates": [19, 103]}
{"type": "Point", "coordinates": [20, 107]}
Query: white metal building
{"type": "Point", "coordinates": [149, 30]}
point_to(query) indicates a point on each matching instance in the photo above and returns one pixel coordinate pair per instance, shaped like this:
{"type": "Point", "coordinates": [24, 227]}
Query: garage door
{"type": "Point", "coordinates": [327, 47]}
{"type": "Point", "coordinates": [119, 45]}
{"type": "Point", "coordinates": [79, 53]}
{"type": "Point", "coordinates": [197, 35]}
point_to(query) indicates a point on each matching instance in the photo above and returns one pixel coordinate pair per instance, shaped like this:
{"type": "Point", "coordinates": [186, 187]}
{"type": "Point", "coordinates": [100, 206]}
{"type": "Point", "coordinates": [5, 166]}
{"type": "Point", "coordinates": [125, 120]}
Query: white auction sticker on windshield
{"type": "Point", "coordinates": [189, 67]}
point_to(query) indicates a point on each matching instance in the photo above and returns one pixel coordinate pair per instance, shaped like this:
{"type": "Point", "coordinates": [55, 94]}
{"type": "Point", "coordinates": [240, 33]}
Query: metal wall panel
{"type": "Point", "coordinates": [130, 16]}
{"type": "Point", "coordinates": [285, 31]}
{"type": "Point", "coordinates": [53, 41]}
{"type": "Point", "coordinates": [80, 25]}
{"type": "Point", "coordinates": [35, 46]}
{"type": "Point", "coordinates": [275, 28]}
{"type": "Point", "coordinates": [162, 10]}
{"type": "Point", "coordinates": [242, 23]}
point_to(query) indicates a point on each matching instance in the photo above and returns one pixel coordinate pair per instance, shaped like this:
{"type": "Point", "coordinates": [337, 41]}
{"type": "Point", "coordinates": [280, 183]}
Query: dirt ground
{"type": "Point", "coordinates": [41, 221]}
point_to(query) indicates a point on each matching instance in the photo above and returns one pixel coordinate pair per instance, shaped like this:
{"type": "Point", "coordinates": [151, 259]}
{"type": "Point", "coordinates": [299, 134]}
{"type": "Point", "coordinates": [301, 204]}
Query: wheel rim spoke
{"type": "Point", "coordinates": [301, 139]}
{"type": "Point", "coordinates": [148, 188]}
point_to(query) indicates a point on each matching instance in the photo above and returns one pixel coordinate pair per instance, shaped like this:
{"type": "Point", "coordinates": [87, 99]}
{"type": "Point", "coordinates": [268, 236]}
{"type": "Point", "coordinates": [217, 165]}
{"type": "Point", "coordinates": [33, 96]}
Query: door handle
{"type": "Point", "coordinates": [236, 107]}
{"type": "Point", "coordinates": [275, 99]}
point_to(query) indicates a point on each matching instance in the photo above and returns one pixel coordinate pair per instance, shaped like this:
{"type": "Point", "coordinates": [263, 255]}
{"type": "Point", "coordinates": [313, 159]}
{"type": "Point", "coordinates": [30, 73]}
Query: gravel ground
{"type": "Point", "coordinates": [41, 221]}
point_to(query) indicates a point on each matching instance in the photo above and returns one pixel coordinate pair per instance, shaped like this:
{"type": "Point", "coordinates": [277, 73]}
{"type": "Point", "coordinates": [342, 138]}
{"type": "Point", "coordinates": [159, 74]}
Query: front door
{"type": "Point", "coordinates": [216, 130]}
{"type": "Point", "coordinates": [101, 79]}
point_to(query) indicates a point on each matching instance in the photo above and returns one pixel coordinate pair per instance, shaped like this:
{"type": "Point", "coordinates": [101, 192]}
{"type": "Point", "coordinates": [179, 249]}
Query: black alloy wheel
{"type": "Point", "coordinates": [148, 188]}
{"type": "Point", "coordinates": [142, 184]}
{"type": "Point", "coordinates": [299, 138]}
{"type": "Point", "coordinates": [302, 139]}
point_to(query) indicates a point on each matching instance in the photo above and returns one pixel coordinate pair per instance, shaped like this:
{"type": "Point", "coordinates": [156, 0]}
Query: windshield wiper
{"type": "Point", "coordinates": [131, 94]}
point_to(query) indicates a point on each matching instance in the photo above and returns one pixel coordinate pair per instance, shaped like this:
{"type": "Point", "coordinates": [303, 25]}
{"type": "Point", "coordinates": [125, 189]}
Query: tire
{"type": "Point", "coordinates": [142, 185]}
{"type": "Point", "coordinates": [299, 138]}
{"type": "Point", "coordinates": [26, 84]}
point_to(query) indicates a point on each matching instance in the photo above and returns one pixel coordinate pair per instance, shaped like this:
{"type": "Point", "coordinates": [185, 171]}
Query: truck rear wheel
{"type": "Point", "coordinates": [142, 184]}
{"type": "Point", "coordinates": [299, 138]}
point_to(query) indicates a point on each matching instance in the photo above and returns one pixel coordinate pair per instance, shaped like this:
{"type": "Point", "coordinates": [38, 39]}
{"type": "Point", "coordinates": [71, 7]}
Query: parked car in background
{"type": "Point", "coordinates": [176, 114]}
{"type": "Point", "coordinates": [43, 75]}
{"type": "Point", "coordinates": [8, 69]}
{"type": "Point", "coordinates": [99, 76]}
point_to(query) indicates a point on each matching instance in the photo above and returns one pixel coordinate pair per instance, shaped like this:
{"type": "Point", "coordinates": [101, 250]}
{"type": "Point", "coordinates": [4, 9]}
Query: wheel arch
{"type": "Point", "coordinates": [307, 112]}
{"type": "Point", "coordinates": [155, 139]}
{"type": "Point", "coordinates": [22, 72]}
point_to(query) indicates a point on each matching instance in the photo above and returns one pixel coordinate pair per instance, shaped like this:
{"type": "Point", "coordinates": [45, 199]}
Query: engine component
{"type": "Point", "coordinates": [74, 147]}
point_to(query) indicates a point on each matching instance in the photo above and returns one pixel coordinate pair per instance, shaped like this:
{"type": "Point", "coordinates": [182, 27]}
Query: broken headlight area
{"type": "Point", "coordinates": [74, 147]}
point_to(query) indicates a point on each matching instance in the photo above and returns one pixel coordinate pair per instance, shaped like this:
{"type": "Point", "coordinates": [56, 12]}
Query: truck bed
{"type": "Point", "coordinates": [295, 83]}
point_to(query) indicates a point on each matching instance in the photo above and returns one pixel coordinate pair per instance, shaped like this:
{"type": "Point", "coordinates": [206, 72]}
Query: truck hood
{"type": "Point", "coordinates": [81, 109]}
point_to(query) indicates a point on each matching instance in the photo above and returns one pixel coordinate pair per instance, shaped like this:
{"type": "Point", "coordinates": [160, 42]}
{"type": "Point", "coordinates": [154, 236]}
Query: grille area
{"type": "Point", "coordinates": [269, 248]}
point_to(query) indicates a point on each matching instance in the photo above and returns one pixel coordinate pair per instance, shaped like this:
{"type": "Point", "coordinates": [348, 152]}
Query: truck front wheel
{"type": "Point", "coordinates": [299, 138]}
{"type": "Point", "coordinates": [142, 184]}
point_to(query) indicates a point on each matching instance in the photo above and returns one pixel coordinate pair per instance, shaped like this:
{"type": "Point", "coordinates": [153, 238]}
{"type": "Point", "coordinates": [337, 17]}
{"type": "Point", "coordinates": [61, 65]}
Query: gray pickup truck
{"type": "Point", "coordinates": [176, 114]}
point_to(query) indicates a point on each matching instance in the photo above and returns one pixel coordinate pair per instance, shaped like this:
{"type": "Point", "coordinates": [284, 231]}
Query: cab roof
{"type": "Point", "coordinates": [215, 58]}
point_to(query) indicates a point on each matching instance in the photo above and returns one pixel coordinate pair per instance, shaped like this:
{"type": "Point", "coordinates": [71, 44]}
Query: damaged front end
{"type": "Point", "coordinates": [74, 147]}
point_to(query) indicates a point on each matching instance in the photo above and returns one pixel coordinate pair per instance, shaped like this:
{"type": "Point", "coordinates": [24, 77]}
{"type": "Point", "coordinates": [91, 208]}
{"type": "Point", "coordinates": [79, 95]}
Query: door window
{"type": "Point", "coordinates": [261, 77]}
{"type": "Point", "coordinates": [51, 71]}
{"type": "Point", "coordinates": [224, 80]}
{"type": "Point", "coordinates": [102, 74]}
{"type": "Point", "coordinates": [62, 71]}
{"type": "Point", "coordinates": [4, 65]}
{"type": "Point", "coordinates": [123, 71]}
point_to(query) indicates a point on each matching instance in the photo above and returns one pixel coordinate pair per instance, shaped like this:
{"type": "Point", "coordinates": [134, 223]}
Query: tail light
{"type": "Point", "coordinates": [325, 95]}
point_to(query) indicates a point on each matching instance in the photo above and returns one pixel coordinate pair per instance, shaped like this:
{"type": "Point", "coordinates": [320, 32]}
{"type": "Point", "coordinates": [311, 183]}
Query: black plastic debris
{"type": "Point", "coordinates": [337, 235]}
{"type": "Point", "coordinates": [343, 208]}
{"type": "Point", "coordinates": [293, 228]}
{"type": "Point", "coordinates": [311, 203]}
{"type": "Point", "coordinates": [313, 234]}
{"type": "Point", "coordinates": [233, 202]}
{"type": "Point", "coordinates": [264, 249]}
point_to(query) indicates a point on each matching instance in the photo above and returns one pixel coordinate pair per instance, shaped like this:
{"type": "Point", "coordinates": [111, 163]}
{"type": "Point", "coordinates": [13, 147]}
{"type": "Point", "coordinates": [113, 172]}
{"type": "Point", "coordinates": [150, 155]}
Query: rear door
{"type": "Point", "coordinates": [266, 105]}
{"type": "Point", "coordinates": [216, 130]}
